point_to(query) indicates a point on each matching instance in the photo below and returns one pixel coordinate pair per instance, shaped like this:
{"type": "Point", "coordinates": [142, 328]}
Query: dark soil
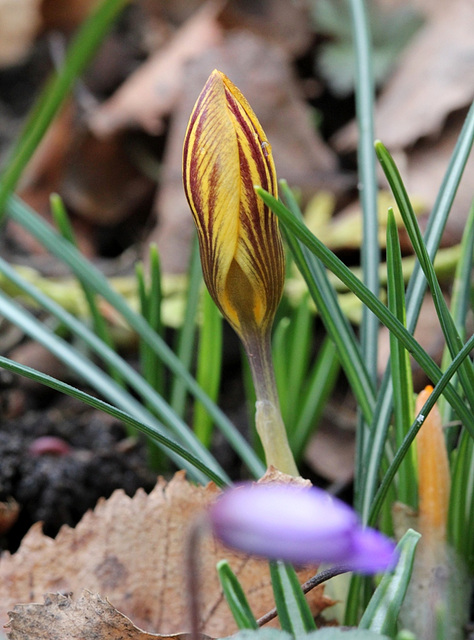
{"type": "Point", "coordinates": [56, 481]}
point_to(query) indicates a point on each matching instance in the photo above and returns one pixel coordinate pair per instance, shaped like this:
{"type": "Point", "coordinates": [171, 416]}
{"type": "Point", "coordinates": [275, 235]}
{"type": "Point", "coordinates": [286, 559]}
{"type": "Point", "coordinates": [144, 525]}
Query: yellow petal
{"type": "Point", "coordinates": [225, 155]}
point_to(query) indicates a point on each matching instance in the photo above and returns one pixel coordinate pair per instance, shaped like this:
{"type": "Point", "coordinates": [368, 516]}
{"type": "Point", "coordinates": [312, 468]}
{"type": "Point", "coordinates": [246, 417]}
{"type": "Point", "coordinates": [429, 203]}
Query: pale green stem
{"type": "Point", "coordinates": [269, 422]}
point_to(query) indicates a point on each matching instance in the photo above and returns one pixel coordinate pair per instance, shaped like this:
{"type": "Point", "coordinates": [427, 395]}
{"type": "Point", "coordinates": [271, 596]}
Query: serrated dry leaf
{"type": "Point", "coordinates": [90, 616]}
{"type": "Point", "coordinates": [131, 551]}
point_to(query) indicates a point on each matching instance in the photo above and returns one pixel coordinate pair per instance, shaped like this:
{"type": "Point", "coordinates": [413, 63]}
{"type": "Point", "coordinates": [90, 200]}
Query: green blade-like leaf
{"type": "Point", "coordinates": [293, 610]}
{"type": "Point", "coordinates": [209, 366]}
{"type": "Point", "coordinates": [24, 216]}
{"type": "Point", "coordinates": [334, 320]}
{"type": "Point", "coordinates": [415, 427]}
{"type": "Point", "coordinates": [333, 263]}
{"type": "Point", "coordinates": [235, 597]}
{"type": "Point", "coordinates": [153, 367]}
{"type": "Point", "coordinates": [461, 296]}
{"type": "Point", "coordinates": [400, 365]}
{"type": "Point", "coordinates": [185, 343]}
{"type": "Point", "coordinates": [461, 502]}
{"type": "Point", "coordinates": [148, 428]}
{"type": "Point", "coordinates": [370, 250]}
{"type": "Point", "coordinates": [320, 383]}
{"type": "Point", "coordinates": [453, 339]}
{"type": "Point", "coordinates": [280, 364]}
{"type": "Point", "coordinates": [382, 611]}
{"type": "Point", "coordinates": [298, 349]}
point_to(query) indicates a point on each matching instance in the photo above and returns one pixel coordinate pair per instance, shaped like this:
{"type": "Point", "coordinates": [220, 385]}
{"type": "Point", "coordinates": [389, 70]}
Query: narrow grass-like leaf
{"type": "Point", "coordinates": [153, 367]}
{"type": "Point", "coordinates": [461, 503]}
{"type": "Point", "coordinates": [460, 298]}
{"type": "Point", "coordinates": [185, 342]}
{"type": "Point", "coordinates": [235, 597]}
{"type": "Point", "coordinates": [150, 429]}
{"type": "Point", "coordinates": [78, 56]}
{"type": "Point", "coordinates": [370, 251]}
{"type": "Point", "coordinates": [400, 365]}
{"type": "Point", "coordinates": [453, 339]}
{"type": "Point", "coordinates": [325, 299]}
{"type": "Point", "coordinates": [298, 350]}
{"type": "Point", "coordinates": [209, 366]}
{"type": "Point", "coordinates": [150, 296]}
{"type": "Point", "coordinates": [419, 419]}
{"type": "Point", "coordinates": [293, 610]}
{"type": "Point", "coordinates": [100, 326]}
{"type": "Point", "coordinates": [414, 296]}
{"type": "Point", "coordinates": [319, 385]}
{"type": "Point", "coordinates": [152, 400]}
{"type": "Point", "coordinates": [24, 216]}
{"type": "Point", "coordinates": [382, 611]}
{"type": "Point", "coordinates": [333, 263]}
{"type": "Point", "coordinates": [94, 376]}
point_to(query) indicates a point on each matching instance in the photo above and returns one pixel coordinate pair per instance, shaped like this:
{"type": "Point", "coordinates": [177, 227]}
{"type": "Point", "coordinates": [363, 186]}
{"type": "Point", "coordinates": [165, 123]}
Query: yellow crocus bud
{"type": "Point", "coordinates": [225, 155]}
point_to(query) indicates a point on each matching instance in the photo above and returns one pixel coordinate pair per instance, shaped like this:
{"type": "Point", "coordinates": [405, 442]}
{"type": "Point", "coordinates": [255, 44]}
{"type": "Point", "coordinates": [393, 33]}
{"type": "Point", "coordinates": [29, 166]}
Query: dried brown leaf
{"type": "Point", "coordinates": [131, 551]}
{"type": "Point", "coordinates": [150, 94]}
{"type": "Point", "coordinates": [86, 618]}
{"type": "Point", "coordinates": [435, 77]}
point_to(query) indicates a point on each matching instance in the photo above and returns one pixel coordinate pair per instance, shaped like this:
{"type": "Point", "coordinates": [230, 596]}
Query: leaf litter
{"type": "Point", "coordinates": [127, 556]}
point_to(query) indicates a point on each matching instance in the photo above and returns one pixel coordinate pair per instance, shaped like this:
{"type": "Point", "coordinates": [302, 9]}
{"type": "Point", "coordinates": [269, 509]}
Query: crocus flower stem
{"type": "Point", "coordinates": [269, 423]}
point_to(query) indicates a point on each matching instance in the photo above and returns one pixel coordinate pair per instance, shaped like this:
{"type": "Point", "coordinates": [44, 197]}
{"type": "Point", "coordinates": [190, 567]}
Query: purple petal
{"type": "Point", "coordinates": [289, 523]}
{"type": "Point", "coordinates": [299, 525]}
{"type": "Point", "coordinates": [372, 552]}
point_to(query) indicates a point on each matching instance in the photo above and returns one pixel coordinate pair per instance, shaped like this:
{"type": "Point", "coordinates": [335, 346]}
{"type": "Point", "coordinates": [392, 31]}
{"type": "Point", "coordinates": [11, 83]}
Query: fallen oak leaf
{"type": "Point", "coordinates": [88, 617]}
{"type": "Point", "coordinates": [131, 550]}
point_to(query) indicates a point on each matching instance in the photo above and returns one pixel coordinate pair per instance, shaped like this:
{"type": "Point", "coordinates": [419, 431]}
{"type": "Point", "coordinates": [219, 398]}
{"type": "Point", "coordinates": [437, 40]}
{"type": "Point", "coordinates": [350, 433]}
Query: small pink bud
{"type": "Point", "coordinates": [49, 445]}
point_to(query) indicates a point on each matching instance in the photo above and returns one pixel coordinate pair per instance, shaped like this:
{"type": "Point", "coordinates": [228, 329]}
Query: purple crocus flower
{"type": "Point", "coordinates": [299, 525]}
